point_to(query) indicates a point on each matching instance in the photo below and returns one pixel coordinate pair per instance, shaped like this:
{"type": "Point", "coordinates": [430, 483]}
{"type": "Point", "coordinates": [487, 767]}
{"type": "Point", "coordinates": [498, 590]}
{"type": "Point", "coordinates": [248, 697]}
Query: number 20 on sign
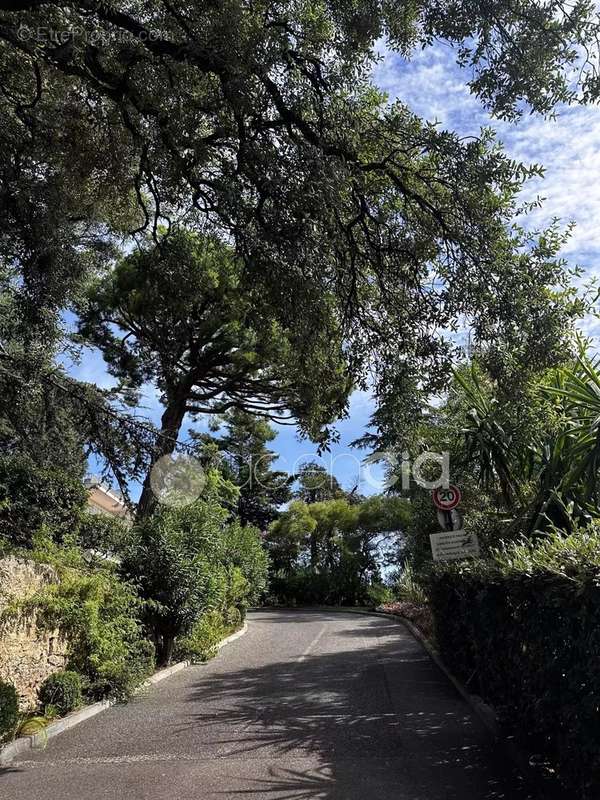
{"type": "Point", "coordinates": [446, 498]}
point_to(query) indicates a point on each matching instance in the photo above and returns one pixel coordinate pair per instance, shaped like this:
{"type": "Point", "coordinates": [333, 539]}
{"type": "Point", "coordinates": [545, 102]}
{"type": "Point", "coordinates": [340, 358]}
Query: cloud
{"type": "Point", "coordinates": [434, 87]}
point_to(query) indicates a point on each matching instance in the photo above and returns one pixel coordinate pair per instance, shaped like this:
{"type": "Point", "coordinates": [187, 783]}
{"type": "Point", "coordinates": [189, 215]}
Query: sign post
{"type": "Point", "coordinates": [453, 543]}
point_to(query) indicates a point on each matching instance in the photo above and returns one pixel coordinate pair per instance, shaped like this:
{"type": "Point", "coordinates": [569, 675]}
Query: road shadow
{"type": "Point", "coordinates": [374, 718]}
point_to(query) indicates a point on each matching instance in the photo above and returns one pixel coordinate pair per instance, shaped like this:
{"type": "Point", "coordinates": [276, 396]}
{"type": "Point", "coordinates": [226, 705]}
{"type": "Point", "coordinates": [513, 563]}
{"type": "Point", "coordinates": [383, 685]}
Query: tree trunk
{"type": "Point", "coordinates": [170, 425]}
{"type": "Point", "coordinates": [165, 645]}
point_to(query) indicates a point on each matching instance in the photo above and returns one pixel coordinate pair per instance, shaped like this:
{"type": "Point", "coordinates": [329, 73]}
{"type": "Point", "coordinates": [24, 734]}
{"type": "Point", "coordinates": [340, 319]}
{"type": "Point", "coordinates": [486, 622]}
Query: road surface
{"type": "Point", "coordinates": [308, 705]}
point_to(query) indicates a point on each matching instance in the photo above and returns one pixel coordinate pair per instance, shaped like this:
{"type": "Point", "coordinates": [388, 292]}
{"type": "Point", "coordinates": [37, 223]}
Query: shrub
{"type": "Point", "coordinates": [173, 561]}
{"type": "Point", "coordinates": [408, 588]}
{"type": "Point", "coordinates": [243, 550]}
{"type": "Point", "coordinates": [62, 691]}
{"type": "Point", "coordinates": [9, 711]}
{"type": "Point", "coordinates": [98, 614]}
{"type": "Point", "coordinates": [201, 642]}
{"type": "Point", "coordinates": [523, 629]}
{"type": "Point", "coordinates": [377, 594]}
{"type": "Point", "coordinates": [106, 537]}
{"type": "Point", "coordinates": [32, 497]}
{"type": "Point", "coordinates": [232, 618]}
{"type": "Point", "coordinates": [186, 562]}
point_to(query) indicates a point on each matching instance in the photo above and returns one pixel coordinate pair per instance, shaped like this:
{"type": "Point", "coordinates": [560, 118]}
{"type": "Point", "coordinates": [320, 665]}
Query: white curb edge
{"type": "Point", "coordinates": [38, 740]}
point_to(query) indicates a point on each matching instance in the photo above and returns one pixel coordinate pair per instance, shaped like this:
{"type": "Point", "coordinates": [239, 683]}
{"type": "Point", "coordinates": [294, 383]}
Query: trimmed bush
{"type": "Point", "coordinates": [9, 711]}
{"type": "Point", "coordinates": [523, 631]}
{"type": "Point", "coordinates": [61, 691]}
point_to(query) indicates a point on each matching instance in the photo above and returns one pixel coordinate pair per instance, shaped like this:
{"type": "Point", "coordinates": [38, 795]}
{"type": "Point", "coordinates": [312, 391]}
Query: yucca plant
{"type": "Point", "coordinates": [488, 444]}
{"type": "Point", "coordinates": [568, 464]}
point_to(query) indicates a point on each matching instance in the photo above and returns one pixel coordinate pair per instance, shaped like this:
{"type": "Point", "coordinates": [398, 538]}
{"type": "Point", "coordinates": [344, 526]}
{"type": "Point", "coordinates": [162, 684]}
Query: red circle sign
{"type": "Point", "coordinates": [446, 498]}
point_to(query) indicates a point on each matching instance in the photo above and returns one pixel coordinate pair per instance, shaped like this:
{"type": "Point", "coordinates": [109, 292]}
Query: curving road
{"type": "Point", "coordinates": [308, 705]}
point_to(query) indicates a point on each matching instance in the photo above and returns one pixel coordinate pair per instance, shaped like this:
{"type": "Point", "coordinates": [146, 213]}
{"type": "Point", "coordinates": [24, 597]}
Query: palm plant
{"type": "Point", "coordinates": [488, 444]}
{"type": "Point", "coordinates": [569, 464]}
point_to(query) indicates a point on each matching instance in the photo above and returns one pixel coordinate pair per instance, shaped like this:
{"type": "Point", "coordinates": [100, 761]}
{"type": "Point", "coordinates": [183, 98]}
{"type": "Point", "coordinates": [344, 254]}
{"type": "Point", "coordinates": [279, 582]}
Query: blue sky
{"type": "Point", "coordinates": [435, 88]}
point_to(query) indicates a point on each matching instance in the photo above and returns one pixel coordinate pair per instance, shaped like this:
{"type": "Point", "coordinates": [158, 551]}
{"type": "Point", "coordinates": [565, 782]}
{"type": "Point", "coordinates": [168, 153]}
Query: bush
{"type": "Point", "coordinates": [243, 551]}
{"type": "Point", "coordinates": [32, 497]}
{"type": "Point", "coordinates": [174, 561]}
{"type": "Point", "coordinates": [98, 615]}
{"type": "Point", "coordinates": [186, 562]}
{"type": "Point", "coordinates": [201, 643]}
{"type": "Point", "coordinates": [523, 629]}
{"type": "Point", "coordinates": [407, 588]}
{"type": "Point", "coordinates": [106, 537]}
{"type": "Point", "coordinates": [232, 618]}
{"type": "Point", "coordinates": [377, 595]}
{"type": "Point", "coordinates": [9, 711]}
{"type": "Point", "coordinates": [307, 587]}
{"type": "Point", "coordinates": [62, 691]}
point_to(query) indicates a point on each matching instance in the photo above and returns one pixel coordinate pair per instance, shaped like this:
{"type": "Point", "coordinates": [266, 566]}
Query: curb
{"type": "Point", "coordinates": [484, 712]}
{"type": "Point", "coordinates": [38, 740]}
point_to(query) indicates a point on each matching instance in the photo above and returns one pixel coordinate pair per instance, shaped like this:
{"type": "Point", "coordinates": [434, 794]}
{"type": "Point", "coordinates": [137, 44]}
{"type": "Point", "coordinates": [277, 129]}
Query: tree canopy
{"type": "Point", "coordinates": [244, 458]}
{"type": "Point", "coordinates": [123, 118]}
{"type": "Point", "coordinates": [181, 315]}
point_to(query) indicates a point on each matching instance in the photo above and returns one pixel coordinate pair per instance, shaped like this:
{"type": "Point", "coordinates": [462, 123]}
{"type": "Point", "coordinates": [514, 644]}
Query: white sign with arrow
{"type": "Point", "coordinates": [452, 545]}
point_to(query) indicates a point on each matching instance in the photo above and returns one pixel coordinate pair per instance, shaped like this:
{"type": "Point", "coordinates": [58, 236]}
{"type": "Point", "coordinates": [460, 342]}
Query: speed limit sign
{"type": "Point", "coordinates": [446, 498]}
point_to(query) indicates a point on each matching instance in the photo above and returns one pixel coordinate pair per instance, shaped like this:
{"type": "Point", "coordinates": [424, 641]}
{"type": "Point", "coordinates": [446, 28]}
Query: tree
{"type": "Point", "coordinates": [185, 562]}
{"type": "Point", "coordinates": [288, 535]}
{"type": "Point", "coordinates": [32, 497]}
{"type": "Point", "coordinates": [334, 547]}
{"type": "Point", "coordinates": [284, 146]}
{"type": "Point", "coordinates": [246, 461]}
{"type": "Point", "coordinates": [181, 315]}
{"type": "Point", "coordinates": [316, 484]}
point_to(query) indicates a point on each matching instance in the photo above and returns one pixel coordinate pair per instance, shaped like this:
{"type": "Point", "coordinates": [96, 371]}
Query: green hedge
{"type": "Point", "coordinates": [523, 631]}
{"type": "Point", "coordinates": [9, 711]}
{"type": "Point", "coordinates": [32, 497]}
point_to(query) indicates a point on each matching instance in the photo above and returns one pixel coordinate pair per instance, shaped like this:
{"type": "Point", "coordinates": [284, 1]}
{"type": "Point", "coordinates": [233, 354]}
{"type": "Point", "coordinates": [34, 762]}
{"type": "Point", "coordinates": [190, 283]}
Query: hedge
{"type": "Point", "coordinates": [9, 711]}
{"type": "Point", "coordinates": [523, 631]}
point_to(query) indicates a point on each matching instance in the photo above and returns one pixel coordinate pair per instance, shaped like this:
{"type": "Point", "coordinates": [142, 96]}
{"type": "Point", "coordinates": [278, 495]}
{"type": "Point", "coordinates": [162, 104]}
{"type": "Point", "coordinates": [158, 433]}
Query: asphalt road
{"type": "Point", "coordinates": [308, 705]}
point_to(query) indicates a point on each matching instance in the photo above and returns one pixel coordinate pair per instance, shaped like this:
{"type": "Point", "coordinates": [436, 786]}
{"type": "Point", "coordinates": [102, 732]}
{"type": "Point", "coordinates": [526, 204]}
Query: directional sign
{"type": "Point", "coordinates": [453, 545]}
{"type": "Point", "coordinates": [446, 498]}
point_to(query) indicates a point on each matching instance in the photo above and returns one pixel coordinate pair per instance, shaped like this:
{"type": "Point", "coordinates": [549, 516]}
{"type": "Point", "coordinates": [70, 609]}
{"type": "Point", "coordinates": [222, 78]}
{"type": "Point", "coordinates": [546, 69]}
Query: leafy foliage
{"type": "Point", "coordinates": [102, 536]}
{"type": "Point", "coordinates": [187, 562]}
{"type": "Point", "coordinates": [243, 457]}
{"type": "Point", "coordinates": [407, 587]}
{"type": "Point", "coordinates": [285, 148]}
{"type": "Point", "coordinates": [201, 643]}
{"type": "Point", "coordinates": [98, 615]}
{"type": "Point", "coordinates": [330, 551]}
{"type": "Point", "coordinates": [522, 630]}
{"type": "Point", "coordinates": [33, 497]}
{"type": "Point", "coordinates": [62, 691]}
{"type": "Point", "coordinates": [9, 711]}
{"type": "Point", "coordinates": [182, 314]}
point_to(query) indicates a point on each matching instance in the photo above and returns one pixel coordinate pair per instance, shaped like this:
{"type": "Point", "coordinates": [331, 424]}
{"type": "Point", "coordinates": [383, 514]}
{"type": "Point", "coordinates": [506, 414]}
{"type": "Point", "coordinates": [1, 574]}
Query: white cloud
{"type": "Point", "coordinates": [433, 86]}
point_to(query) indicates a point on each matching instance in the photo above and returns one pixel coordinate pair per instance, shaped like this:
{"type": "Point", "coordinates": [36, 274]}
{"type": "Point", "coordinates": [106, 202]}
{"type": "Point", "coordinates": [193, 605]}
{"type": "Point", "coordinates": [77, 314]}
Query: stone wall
{"type": "Point", "coordinates": [27, 654]}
